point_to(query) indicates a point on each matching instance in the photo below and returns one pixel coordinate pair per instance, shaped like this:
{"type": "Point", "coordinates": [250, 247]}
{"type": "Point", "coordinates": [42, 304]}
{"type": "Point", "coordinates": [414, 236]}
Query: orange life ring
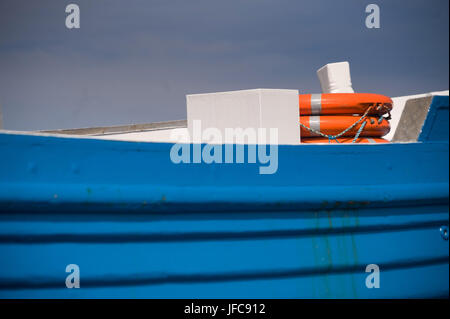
{"type": "Point", "coordinates": [344, 103]}
{"type": "Point", "coordinates": [360, 140]}
{"type": "Point", "coordinates": [333, 125]}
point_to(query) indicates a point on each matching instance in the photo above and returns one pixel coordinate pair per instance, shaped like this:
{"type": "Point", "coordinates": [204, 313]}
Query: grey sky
{"type": "Point", "coordinates": [133, 61]}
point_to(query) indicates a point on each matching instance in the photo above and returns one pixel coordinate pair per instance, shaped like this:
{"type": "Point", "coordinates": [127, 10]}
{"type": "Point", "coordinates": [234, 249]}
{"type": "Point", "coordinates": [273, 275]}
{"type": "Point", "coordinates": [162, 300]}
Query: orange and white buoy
{"type": "Point", "coordinates": [333, 125]}
{"type": "Point", "coordinates": [344, 140]}
{"type": "Point", "coordinates": [344, 103]}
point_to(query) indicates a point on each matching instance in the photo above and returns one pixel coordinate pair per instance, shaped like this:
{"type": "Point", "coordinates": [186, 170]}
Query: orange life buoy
{"type": "Point", "coordinates": [344, 103]}
{"type": "Point", "coordinates": [344, 140]}
{"type": "Point", "coordinates": [333, 125]}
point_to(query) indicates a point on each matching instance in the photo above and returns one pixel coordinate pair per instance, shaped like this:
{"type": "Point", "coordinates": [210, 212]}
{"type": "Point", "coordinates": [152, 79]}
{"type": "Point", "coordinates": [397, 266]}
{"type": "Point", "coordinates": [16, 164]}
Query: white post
{"type": "Point", "coordinates": [335, 78]}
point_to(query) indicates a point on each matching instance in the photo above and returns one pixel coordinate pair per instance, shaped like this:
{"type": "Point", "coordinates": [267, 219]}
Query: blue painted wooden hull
{"type": "Point", "coordinates": [139, 225]}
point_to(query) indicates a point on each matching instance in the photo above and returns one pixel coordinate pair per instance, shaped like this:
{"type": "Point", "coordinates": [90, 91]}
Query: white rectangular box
{"type": "Point", "coordinates": [257, 108]}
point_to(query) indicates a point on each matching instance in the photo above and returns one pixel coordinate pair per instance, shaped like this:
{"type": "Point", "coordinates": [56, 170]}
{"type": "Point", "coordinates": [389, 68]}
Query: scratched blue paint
{"type": "Point", "coordinates": [435, 127]}
{"type": "Point", "coordinates": [140, 226]}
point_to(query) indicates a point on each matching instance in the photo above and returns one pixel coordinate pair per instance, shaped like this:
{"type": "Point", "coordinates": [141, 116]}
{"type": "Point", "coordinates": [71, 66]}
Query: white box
{"type": "Point", "coordinates": [257, 108]}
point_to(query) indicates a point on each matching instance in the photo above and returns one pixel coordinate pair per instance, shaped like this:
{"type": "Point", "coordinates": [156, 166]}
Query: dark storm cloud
{"type": "Point", "coordinates": [134, 61]}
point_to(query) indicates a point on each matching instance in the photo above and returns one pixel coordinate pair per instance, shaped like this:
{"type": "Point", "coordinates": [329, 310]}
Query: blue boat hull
{"type": "Point", "coordinates": [138, 225]}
